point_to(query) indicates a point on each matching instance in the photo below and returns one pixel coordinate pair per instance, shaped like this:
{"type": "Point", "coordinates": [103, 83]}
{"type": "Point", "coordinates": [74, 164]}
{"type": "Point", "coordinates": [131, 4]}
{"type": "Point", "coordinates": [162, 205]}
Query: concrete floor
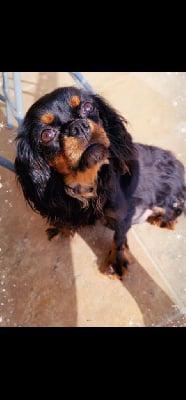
{"type": "Point", "coordinates": [58, 283]}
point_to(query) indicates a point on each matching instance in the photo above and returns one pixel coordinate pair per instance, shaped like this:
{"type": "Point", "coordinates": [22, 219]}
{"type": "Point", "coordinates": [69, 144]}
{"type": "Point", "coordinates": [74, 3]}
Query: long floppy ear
{"type": "Point", "coordinates": [122, 146]}
{"type": "Point", "coordinates": [32, 172]}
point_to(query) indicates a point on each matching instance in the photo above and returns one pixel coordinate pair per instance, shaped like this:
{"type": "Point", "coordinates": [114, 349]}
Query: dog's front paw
{"type": "Point", "coordinates": [95, 154]}
{"type": "Point", "coordinates": [115, 265]}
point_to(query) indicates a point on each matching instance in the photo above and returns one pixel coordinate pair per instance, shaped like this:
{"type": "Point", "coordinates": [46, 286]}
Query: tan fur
{"type": "Point", "coordinates": [107, 267]}
{"type": "Point", "coordinates": [67, 162]}
{"type": "Point", "coordinates": [156, 219]}
{"type": "Point", "coordinates": [60, 164]}
{"type": "Point", "coordinates": [74, 101]}
{"type": "Point", "coordinates": [73, 149]}
{"type": "Point", "coordinates": [98, 134]}
{"type": "Point", "coordinates": [86, 181]}
{"type": "Point", "coordinates": [84, 178]}
{"type": "Point", "coordinates": [47, 118]}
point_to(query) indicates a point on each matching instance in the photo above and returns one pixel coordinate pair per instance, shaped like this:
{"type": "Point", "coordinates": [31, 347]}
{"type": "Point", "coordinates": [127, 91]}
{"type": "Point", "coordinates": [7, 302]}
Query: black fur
{"type": "Point", "coordinates": [138, 177]}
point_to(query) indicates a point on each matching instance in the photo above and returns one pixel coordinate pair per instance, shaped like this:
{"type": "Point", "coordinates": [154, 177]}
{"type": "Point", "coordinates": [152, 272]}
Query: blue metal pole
{"type": "Point", "coordinates": [6, 93]}
{"type": "Point", "coordinates": [18, 97]}
{"type": "Point", "coordinates": [7, 164]}
{"type": "Point", "coordinates": [78, 77]}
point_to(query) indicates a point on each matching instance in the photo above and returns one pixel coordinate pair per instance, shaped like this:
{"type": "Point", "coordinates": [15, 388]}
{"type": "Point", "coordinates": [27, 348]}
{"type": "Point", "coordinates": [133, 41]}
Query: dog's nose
{"type": "Point", "coordinates": [79, 128]}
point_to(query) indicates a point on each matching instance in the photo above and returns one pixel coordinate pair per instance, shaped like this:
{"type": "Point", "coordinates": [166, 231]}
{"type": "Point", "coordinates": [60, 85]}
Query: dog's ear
{"type": "Point", "coordinates": [122, 146]}
{"type": "Point", "coordinates": [32, 172]}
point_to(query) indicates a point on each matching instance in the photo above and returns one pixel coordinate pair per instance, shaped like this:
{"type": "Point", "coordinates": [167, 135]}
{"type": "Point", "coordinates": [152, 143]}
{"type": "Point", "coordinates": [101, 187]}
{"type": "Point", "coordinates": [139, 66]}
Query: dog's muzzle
{"type": "Point", "coordinates": [80, 129]}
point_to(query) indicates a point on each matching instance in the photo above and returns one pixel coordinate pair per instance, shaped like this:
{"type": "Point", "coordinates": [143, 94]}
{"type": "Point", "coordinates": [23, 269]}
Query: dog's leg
{"type": "Point", "coordinates": [164, 218]}
{"type": "Point", "coordinates": [118, 259]}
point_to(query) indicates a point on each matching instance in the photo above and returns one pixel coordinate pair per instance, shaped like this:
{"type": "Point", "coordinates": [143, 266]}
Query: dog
{"type": "Point", "coordinates": [77, 163]}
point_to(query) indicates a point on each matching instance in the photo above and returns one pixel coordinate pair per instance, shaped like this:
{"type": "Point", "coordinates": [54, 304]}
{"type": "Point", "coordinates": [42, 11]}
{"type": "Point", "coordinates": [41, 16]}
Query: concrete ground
{"type": "Point", "coordinates": [58, 283]}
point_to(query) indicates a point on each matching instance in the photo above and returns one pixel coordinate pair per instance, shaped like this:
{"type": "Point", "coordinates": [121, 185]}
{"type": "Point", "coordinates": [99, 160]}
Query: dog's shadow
{"type": "Point", "coordinates": [155, 305]}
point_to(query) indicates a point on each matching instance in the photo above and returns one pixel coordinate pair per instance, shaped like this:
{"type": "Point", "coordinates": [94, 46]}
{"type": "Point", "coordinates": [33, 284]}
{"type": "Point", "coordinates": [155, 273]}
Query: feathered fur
{"type": "Point", "coordinates": [76, 163]}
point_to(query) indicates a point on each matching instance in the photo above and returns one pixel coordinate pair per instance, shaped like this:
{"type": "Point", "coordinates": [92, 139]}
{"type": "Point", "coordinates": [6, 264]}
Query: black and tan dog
{"type": "Point", "coordinates": [76, 163]}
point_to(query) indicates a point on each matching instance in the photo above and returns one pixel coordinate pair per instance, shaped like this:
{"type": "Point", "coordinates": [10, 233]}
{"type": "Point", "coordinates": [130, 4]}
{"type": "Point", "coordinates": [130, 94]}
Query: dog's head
{"type": "Point", "coordinates": [58, 129]}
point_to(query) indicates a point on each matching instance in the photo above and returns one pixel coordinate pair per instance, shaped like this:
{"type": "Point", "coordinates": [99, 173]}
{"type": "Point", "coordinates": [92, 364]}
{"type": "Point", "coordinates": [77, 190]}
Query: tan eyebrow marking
{"type": "Point", "coordinates": [74, 101]}
{"type": "Point", "coordinates": [47, 118]}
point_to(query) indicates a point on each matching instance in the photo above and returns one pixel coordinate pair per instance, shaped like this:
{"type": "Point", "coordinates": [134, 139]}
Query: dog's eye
{"type": "Point", "coordinates": [47, 135]}
{"type": "Point", "coordinates": [87, 107]}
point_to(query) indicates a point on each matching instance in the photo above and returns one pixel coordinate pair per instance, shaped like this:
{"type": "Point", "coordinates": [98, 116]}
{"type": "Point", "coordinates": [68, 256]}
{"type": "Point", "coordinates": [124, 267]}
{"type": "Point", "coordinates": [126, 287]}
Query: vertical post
{"type": "Point", "coordinates": [18, 97]}
{"type": "Point", "coordinates": [6, 93]}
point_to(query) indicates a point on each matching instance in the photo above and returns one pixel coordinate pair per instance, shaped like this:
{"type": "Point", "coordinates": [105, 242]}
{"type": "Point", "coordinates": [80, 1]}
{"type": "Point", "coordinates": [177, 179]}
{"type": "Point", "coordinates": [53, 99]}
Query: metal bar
{"type": "Point", "coordinates": [6, 92]}
{"type": "Point", "coordinates": [7, 164]}
{"type": "Point", "coordinates": [15, 110]}
{"type": "Point", "coordinates": [18, 97]}
{"type": "Point", "coordinates": [6, 99]}
{"type": "Point", "coordinates": [2, 98]}
{"type": "Point", "coordinates": [78, 77]}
